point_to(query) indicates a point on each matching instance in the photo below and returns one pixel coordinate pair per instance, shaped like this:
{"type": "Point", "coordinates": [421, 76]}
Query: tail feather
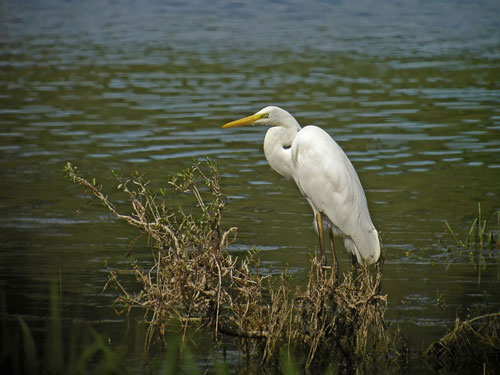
{"type": "Point", "coordinates": [367, 249]}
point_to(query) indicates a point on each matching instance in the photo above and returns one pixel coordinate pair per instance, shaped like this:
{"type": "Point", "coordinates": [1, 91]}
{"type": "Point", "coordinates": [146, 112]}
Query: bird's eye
{"type": "Point", "coordinates": [264, 115]}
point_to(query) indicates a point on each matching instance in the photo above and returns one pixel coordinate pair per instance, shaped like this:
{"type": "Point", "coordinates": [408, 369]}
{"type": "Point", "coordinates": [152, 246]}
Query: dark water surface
{"type": "Point", "coordinates": [410, 90]}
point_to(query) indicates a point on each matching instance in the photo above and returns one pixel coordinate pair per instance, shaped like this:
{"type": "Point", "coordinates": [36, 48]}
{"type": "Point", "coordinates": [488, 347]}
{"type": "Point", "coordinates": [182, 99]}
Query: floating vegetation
{"type": "Point", "coordinates": [194, 282]}
{"type": "Point", "coordinates": [472, 346]}
{"type": "Point", "coordinates": [482, 242]}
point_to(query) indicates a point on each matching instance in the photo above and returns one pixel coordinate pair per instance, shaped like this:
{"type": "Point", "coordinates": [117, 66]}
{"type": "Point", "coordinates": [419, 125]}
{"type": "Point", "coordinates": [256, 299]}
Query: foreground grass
{"type": "Point", "coordinates": [82, 351]}
{"type": "Point", "coordinates": [56, 352]}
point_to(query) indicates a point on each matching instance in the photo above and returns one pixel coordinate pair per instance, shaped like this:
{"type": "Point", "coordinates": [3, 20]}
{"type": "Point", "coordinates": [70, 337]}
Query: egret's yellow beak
{"type": "Point", "coordinates": [250, 120]}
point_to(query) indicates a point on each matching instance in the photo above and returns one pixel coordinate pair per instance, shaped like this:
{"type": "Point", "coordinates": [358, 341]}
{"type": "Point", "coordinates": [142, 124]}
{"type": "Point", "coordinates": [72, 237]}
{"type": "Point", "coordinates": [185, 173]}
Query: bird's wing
{"type": "Point", "coordinates": [328, 180]}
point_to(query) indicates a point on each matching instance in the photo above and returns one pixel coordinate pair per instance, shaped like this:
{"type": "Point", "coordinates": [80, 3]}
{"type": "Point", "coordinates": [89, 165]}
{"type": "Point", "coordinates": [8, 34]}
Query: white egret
{"type": "Point", "coordinates": [324, 176]}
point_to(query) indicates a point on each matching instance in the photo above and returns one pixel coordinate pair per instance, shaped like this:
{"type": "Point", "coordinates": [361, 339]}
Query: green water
{"type": "Point", "coordinates": [410, 91]}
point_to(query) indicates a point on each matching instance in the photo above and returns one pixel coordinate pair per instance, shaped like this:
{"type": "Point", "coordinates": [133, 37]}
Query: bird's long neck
{"type": "Point", "coordinates": [277, 143]}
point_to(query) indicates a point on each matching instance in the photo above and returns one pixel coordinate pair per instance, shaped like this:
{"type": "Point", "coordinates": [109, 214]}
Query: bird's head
{"type": "Point", "coordinates": [270, 116]}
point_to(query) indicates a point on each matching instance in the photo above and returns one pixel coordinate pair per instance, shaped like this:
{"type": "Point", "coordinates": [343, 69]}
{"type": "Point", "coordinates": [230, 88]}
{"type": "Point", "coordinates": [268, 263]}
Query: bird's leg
{"type": "Point", "coordinates": [334, 256]}
{"type": "Point", "coordinates": [319, 223]}
{"type": "Point", "coordinates": [379, 266]}
{"type": "Point", "coordinates": [354, 261]}
{"type": "Point", "coordinates": [355, 264]}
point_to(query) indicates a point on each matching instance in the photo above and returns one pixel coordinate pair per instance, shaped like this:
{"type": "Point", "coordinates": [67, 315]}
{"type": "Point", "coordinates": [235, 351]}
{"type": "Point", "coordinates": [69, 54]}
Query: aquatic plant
{"type": "Point", "coordinates": [481, 243]}
{"type": "Point", "coordinates": [473, 345]}
{"type": "Point", "coordinates": [195, 282]}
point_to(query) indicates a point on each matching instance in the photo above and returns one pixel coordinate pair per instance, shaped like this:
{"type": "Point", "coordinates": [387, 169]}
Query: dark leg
{"type": "Point", "coordinates": [355, 264]}
{"type": "Point", "coordinates": [379, 266]}
{"type": "Point", "coordinates": [319, 223]}
{"type": "Point", "coordinates": [334, 256]}
{"type": "Point", "coordinates": [354, 261]}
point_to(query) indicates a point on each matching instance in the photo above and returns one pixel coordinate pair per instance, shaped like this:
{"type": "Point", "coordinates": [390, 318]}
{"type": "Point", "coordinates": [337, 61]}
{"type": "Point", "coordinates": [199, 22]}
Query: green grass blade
{"type": "Point", "coordinates": [54, 352]}
{"type": "Point", "coordinates": [170, 359]}
{"type": "Point", "coordinates": [472, 232]}
{"type": "Point", "coordinates": [287, 364]}
{"type": "Point", "coordinates": [452, 233]}
{"type": "Point", "coordinates": [30, 354]}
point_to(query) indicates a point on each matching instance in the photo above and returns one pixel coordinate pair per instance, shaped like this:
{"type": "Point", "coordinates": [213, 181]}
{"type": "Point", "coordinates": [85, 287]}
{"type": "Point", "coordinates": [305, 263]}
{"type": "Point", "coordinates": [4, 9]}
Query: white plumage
{"type": "Point", "coordinates": [324, 175]}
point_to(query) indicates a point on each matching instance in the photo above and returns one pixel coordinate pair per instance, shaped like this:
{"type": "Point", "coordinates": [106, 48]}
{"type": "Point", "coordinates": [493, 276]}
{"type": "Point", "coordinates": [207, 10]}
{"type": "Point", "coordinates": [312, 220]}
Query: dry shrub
{"type": "Point", "coordinates": [195, 282]}
{"type": "Point", "coordinates": [342, 322]}
{"type": "Point", "coordinates": [472, 344]}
